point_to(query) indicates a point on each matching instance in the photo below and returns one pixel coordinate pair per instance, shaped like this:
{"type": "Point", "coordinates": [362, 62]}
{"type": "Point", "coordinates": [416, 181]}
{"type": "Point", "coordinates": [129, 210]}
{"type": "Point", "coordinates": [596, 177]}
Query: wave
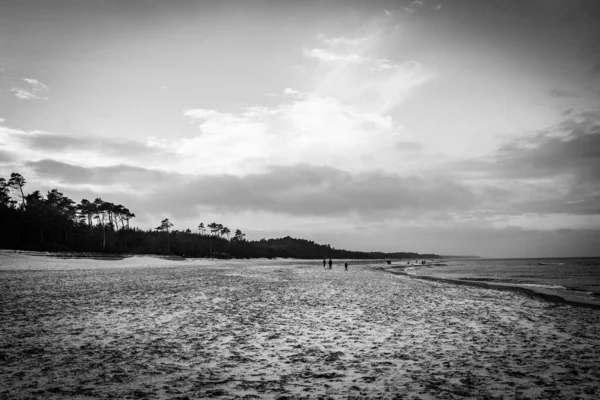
{"type": "Point", "coordinates": [540, 285]}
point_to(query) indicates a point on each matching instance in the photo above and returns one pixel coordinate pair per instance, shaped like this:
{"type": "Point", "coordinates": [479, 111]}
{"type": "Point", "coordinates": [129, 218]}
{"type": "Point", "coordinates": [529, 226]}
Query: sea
{"type": "Point", "coordinates": [573, 279]}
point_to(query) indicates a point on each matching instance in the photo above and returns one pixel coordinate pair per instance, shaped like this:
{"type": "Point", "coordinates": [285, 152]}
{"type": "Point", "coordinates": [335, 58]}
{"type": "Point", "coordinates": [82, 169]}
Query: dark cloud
{"type": "Point", "coordinates": [409, 146]}
{"type": "Point", "coordinates": [117, 174]}
{"type": "Point", "coordinates": [568, 112]}
{"type": "Point", "coordinates": [62, 143]}
{"type": "Point", "coordinates": [562, 93]}
{"type": "Point", "coordinates": [559, 169]}
{"type": "Point", "coordinates": [295, 190]}
{"type": "Point", "coordinates": [570, 148]}
{"type": "Point", "coordinates": [6, 156]}
{"type": "Point", "coordinates": [310, 190]}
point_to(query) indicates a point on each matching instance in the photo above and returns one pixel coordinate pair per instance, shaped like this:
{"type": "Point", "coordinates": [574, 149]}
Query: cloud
{"type": "Point", "coordinates": [570, 148]}
{"type": "Point", "coordinates": [343, 41]}
{"type": "Point", "coordinates": [36, 90]}
{"type": "Point", "coordinates": [115, 174]}
{"type": "Point", "coordinates": [376, 64]}
{"type": "Point", "coordinates": [383, 64]}
{"type": "Point", "coordinates": [556, 171]}
{"type": "Point", "coordinates": [290, 91]}
{"type": "Point", "coordinates": [293, 190]}
{"type": "Point", "coordinates": [306, 127]}
{"type": "Point", "coordinates": [406, 146]}
{"type": "Point", "coordinates": [25, 95]}
{"type": "Point", "coordinates": [329, 56]}
{"type": "Point", "coordinates": [360, 77]}
{"type": "Point", "coordinates": [341, 118]}
{"type": "Point", "coordinates": [397, 212]}
{"type": "Point", "coordinates": [561, 93]}
{"type": "Point", "coordinates": [35, 84]}
{"type": "Point", "coordinates": [7, 157]}
{"type": "Point", "coordinates": [311, 190]}
{"type": "Point", "coordinates": [90, 150]}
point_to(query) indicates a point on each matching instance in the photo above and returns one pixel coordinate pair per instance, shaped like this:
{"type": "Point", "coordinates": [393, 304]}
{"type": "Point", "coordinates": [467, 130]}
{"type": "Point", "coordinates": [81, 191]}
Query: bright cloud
{"type": "Point", "coordinates": [307, 127]}
{"type": "Point", "coordinates": [344, 119]}
{"type": "Point", "coordinates": [23, 94]}
{"type": "Point", "coordinates": [35, 84]}
{"type": "Point", "coordinates": [344, 41]}
{"type": "Point", "coordinates": [290, 91]}
{"type": "Point", "coordinates": [84, 151]}
{"type": "Point", "coordinates": [36, 90]}
{"type": "Point", "coordinates": [329, 56]}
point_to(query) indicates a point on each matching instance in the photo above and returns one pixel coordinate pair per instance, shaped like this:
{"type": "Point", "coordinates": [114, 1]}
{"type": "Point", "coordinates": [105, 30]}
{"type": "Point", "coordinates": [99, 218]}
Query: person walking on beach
{"type": "Point", "coordinates": [346, 266]}
{"type": "Point", "coordinates": [324, 262]}
{"type": "Point", "coordinates": [330, 263]}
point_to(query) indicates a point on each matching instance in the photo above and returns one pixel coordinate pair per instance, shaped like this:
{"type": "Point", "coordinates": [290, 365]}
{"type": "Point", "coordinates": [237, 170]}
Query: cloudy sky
{"type": "Point", "coordinates": [447, 126]}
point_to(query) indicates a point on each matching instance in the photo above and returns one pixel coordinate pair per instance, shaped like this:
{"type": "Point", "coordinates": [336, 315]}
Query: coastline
{"type": "Point", "coordinates": [533, 292]}
{"type": "Point", "coordinates": [158, 329]}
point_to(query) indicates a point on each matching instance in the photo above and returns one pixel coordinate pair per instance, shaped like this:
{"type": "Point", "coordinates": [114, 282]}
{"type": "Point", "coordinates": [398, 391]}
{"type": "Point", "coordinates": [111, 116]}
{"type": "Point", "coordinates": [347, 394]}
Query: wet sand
{"type": "Point", "coordinates": [572, 297]}
{"type": "Point", "coordinates": [145, 328]}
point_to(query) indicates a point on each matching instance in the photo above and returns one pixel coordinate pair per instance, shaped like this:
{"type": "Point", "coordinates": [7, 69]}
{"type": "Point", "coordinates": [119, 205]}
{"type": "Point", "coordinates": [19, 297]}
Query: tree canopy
{"type": "Point", "coordinates": [55, 222]}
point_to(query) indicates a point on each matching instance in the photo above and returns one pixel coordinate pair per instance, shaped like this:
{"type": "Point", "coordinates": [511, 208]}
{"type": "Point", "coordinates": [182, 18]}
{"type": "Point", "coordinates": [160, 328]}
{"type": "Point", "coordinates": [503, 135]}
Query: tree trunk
{"type": "Point", "coordinates": [168, 242]}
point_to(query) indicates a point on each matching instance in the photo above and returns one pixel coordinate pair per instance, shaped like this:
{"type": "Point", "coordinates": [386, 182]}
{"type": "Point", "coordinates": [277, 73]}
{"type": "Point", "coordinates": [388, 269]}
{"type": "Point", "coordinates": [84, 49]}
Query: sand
{"type": "Point", "coordinates": [145, 328]}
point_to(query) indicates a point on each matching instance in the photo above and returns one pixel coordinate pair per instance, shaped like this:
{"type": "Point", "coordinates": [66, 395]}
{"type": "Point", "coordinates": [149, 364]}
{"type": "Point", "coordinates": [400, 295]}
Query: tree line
{"type": "Point", "coordinates": [55, 222]}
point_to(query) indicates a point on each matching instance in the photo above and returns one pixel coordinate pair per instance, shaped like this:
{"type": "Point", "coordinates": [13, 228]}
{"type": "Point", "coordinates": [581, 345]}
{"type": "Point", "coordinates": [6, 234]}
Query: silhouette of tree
{"type": "Point", "coordinates": [201, 228]}
{"type": "Point", "coordinates": [5, 198]}
{"type": "Point", "coordinates": [128, 215]}
{"type": "Point", "coordinates": [215, 228]}
{"type": "Point", "coordinates": [99, 210]}
{"type": "Point", "coordinates": [239, 236]}
{"type": "Point", "coordinates": [225, 231]}
{"type": "Point", "coordinates": [61, 203]}
{"type": "Point", "coordinates": [119, 215]}
{"type": "Point", "coordinates": [165, 225]}
{"type": "Point", "coordinates": [17, 182]}
{"type": "Point", "coordinates": [86, 209]}
{"type": "Point", "coordinates": [33, 223]}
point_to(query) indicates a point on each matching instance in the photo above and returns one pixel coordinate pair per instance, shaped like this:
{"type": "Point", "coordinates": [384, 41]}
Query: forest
{"type": "Point", "coordinates": [56, 223]}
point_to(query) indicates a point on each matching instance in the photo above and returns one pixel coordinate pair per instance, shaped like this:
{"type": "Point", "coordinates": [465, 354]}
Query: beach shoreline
{"type": "Point", "coordinates": [538, 293]}
{"type": "Point", "coordinates": [161, 329]}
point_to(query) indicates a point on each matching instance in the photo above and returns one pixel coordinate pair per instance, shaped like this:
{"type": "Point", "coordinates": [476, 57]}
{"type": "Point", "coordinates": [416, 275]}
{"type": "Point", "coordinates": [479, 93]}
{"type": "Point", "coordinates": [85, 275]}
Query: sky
{"type": "Point", "coordinates": [456, 127]}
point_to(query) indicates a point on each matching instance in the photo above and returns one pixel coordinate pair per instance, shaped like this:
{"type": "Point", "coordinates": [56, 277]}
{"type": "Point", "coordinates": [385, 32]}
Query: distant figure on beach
{"type": "Point", "coordinates": [389, 262]}
{"type": "Point", "coordinates": [346, 266]}
{"type": "Point", "coordinates": [330, 263]}
{"type": "Point", "coordinates": [324, 262]}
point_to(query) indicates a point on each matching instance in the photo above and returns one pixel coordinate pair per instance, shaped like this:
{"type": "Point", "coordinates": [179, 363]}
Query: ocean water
{"type": "Point", "coordinates": [576, 279]}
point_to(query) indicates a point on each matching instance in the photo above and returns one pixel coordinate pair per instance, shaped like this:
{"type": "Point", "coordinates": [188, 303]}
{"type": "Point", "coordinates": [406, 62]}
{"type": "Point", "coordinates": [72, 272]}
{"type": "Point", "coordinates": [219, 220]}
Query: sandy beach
{"type": "Point", "coordinates": [146, 328]}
